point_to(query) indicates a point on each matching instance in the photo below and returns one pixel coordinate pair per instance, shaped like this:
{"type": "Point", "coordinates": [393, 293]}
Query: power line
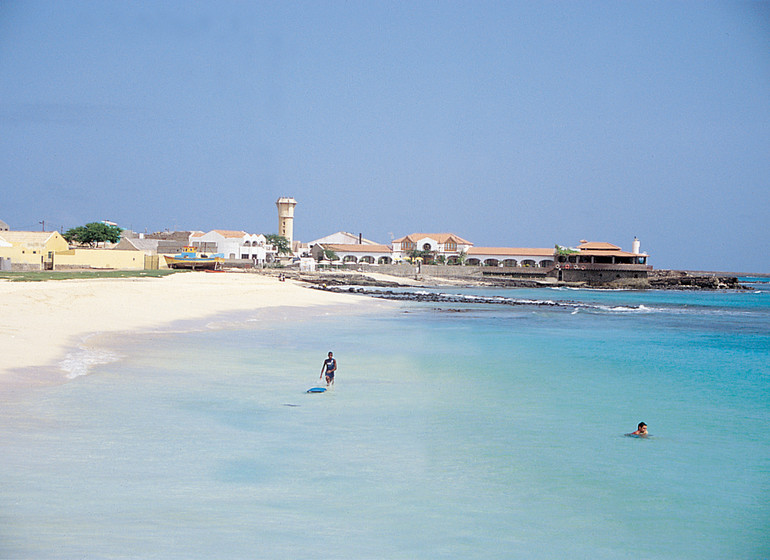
{"type": "Point", "coordinates": [38, 227]}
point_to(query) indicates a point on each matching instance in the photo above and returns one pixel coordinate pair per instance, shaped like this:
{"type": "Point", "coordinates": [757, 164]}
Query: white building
{"type": "Point", "coordinates": [307, 264]}
{"type": "Point", "coordinates": [355, 254]}
{"type": "Point", "coordinates": [510, 256]}
{"type": "Point", "coordinates": [343, 238]}
{"type": "Point", "coordinates": [448, 245]}
{"type": "Point", "coordinates": [232, 244]}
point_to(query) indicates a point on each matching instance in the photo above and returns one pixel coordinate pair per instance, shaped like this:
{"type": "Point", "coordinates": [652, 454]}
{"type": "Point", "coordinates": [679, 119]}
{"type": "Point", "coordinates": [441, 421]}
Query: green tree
{"type": "Point", "coordinates": [74, 235]}
{"type": "Point", "coordinates": [566, 250]}
{"type": "Point", "coordinates": [280, 243]}
{"type": "Point", "coordinates": [93, 233]}
{"type": "Point", "coordinates": [331, 255]}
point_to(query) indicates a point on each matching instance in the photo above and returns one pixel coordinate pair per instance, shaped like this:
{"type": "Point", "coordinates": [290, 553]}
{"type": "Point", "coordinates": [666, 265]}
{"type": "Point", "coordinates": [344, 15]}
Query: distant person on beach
{"type": "Point", "coordinates": [329, 367]}
{"type": "Point", "coordinates": [641, 430]}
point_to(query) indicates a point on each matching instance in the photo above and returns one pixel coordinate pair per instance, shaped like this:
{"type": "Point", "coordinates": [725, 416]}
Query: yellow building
{"type": "Point", "coordinates": [48, 250]}
{"type": "Point", "coordinates": [286, 206]}
{"type": "Point", "coordinates": [32, 249]}
{"type": "Point", "coordinates": [100, 258]}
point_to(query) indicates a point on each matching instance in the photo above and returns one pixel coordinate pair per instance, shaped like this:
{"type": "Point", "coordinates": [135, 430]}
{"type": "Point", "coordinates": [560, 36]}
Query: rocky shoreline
{"type": "Point", "coordinates": [658, 280]}
{"type": "Point", "coordinates": [685, 280]}
{"type": "Point", "coordinates": [430, 297]}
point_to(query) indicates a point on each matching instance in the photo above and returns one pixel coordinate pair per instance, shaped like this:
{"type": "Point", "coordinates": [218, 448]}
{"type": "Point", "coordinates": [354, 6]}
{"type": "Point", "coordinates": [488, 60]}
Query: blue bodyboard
{"type": "Point", "coordinates": [317, 390]}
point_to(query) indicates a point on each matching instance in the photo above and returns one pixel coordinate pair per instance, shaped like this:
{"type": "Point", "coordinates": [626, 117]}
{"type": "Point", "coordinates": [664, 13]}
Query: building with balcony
{"type": "Point", "coordinates": [600, 262]}
{"type": "Point", "coordinates": [446, 247]}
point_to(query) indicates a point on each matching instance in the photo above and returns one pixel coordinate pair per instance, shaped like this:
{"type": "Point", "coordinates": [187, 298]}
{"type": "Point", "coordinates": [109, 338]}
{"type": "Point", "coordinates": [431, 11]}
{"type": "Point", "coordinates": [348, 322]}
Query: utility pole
{"type": "Point", "coordinates": [43, 224]}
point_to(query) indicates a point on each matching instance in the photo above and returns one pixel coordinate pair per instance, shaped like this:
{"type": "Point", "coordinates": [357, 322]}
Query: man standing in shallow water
{"type": "Point", "coordinates": [329, 366]}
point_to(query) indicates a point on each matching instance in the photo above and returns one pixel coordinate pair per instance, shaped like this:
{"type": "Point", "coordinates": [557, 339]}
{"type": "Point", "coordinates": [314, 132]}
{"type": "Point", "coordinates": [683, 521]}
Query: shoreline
{"type": "Point", "coordinates": [658, 280]}
{"type": "Point", "coordinates": [44, 322]}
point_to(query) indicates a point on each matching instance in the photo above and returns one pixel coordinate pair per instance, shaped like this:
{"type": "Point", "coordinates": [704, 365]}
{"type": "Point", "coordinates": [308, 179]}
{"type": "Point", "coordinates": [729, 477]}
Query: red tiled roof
{"type": "Point", "coordinates": [605, 253]}
{"type": "Point", "coordinates": [230, 233]}
{"type": "Point", "coordinates": [438, 237]}
{"type": "Point", "coordinates": [598, 246]}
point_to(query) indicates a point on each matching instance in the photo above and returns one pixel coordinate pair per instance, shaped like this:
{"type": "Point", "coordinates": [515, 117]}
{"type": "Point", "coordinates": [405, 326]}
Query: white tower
{"type": "Point", "coordinates": [286, 206]}
{"type": "Point", "coordinates": [635, 246]}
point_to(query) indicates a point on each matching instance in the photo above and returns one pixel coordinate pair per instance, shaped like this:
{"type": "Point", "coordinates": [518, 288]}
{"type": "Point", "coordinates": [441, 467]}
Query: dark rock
{"type": "Point", "coordinates": [684, 280]}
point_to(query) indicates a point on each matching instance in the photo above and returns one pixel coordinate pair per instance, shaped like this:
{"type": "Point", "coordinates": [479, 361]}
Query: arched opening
{"type": "Point", "coordinates": [367, 259]}
{"type": "Point", "coordinates": [545, 263]}
{"type": "Point", "coordinates": [528, 262]}
{"type": "Point", "coordinates": [384, 260]}
{"type": "Point", "coordinates": [491, 262]}
{"type": "Point", "coordinates": [473, 262]}
{"type": "Point", "coordinates": [426, 247]}
{"type": "Point", "coordinates": [510, 262]}
{"type": "Point", "coordinates": [349, 259]}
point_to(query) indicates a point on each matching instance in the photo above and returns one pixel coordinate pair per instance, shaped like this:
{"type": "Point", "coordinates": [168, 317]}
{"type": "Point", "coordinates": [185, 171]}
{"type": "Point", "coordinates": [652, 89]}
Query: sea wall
{"type": "Point", "coordinates": [432, 270]}
{"type": "Point", "coordinates": [616, 277]}
{"type": "Point", "coordinates": [639, 277]}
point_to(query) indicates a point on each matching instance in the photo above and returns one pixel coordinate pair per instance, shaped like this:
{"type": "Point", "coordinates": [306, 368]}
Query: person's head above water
{"type": "Point", "coordinates": [641, 429]}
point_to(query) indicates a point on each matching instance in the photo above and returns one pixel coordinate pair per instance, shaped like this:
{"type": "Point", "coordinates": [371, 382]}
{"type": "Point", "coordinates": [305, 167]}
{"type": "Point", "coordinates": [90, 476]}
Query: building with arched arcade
{"type": "Point", "coordinates": [589, 262]}
{"type": "Point", "coordinates": [510, 257]}
{"type": "Point", "coordinates": [349, 253]}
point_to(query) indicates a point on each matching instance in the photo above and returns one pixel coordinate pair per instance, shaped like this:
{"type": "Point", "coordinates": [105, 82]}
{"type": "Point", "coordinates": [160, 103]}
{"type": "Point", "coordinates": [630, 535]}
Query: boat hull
{"type": "Point", "coordinates": [193, 263]}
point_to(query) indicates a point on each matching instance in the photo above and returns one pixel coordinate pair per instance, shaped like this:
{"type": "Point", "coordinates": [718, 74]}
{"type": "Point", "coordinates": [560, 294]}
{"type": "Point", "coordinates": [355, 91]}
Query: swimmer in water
{"type": "Point", "coordinates": [641, 430]}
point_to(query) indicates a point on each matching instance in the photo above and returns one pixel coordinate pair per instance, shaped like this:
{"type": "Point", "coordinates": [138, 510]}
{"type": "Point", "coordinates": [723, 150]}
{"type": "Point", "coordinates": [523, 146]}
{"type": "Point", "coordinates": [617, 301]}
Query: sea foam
{"type": "Point", "coordinates": [79, 362]}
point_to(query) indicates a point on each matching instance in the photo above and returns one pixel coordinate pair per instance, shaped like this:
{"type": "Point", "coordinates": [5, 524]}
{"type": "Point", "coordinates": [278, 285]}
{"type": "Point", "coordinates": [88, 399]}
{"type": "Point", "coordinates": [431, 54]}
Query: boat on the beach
{"type": "Point", "coordinates": [192, 259]}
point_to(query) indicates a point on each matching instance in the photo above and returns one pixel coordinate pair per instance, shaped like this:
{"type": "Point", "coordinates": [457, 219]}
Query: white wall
{"type": "Point", "coordinates": [235, 247]}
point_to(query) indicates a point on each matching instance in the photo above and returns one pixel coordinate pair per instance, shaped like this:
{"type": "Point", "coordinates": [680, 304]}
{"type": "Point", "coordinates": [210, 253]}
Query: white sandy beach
{"type": "Point", "coordinates": [42, 321]}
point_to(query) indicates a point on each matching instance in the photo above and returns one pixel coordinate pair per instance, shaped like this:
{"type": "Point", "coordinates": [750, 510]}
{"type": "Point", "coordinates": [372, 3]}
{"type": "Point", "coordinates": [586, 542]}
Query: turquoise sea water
{"type": "Point", "coordinates": [454, 431]}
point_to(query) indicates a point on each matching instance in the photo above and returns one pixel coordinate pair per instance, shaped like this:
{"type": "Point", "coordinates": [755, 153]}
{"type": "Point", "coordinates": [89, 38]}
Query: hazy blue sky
{"type": "Point", "coordinates": [509, 123]}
